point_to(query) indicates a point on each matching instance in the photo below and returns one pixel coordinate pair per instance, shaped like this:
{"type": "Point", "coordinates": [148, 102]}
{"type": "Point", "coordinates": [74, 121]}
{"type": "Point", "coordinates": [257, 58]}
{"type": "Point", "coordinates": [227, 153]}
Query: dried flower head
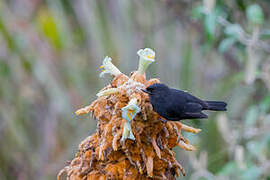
{"type": "Point", "coordinates": [132, 141]}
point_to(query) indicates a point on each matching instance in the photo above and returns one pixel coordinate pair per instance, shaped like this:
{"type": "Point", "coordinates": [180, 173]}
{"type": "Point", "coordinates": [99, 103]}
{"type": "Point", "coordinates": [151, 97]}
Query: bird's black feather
{"type": "Point", "coordinates": [175, 105]}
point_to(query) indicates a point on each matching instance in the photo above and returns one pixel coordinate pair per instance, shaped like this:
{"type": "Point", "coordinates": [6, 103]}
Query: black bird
{"type": "Point", "coordinates": [174, 105]}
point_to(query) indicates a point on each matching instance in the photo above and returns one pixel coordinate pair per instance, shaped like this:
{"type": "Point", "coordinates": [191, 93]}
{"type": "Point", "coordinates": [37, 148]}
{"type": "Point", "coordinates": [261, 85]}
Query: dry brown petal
{"type": "Point", "coordinates": [74, 177]}
{"type": "Point", "coordinates": [94, 175]}
{"type": "Point", "coordinates": [152, 81]}
{"type": "Point", "coordinates": [138, 77]}
{"type": "Point", "coordinates": [187, 147]}
{"type": "Point", "coordinates": [176, 163]}
{"type": "Point", "coordinates": [139, 167]}
{"type": "Point", "coordinates": [60, 174]}
{"type": "Point", "coordinates": [131, 174]}
{"type": "Point", "coordinates": [149, 166]}
{"type": "Point", "coordinates": [190, 129]}
{"type": "Point", "coordinates": [119, 80]}
{"type": "Point", "coordinates": [156, 147]}
{"type": "Point", "coordinates": [84, 110]}
{"type": "Point", "coordinates": [136, 96]}
{"type": "Point", "coordinates": [118, 136]}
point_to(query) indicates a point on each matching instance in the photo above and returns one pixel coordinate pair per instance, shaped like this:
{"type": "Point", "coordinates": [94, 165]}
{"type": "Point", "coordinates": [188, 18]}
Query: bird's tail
{"type": "Point", "coordinates": [216, 105]}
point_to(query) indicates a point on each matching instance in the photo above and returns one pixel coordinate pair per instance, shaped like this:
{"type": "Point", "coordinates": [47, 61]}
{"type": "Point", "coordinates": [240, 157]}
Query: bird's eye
{"type": "Point", "coordinates": [149, 89]}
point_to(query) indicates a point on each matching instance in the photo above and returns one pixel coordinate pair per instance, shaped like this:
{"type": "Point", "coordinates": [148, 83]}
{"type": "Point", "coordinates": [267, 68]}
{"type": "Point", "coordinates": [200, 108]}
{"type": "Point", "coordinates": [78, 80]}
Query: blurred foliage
{"type": "Point", "coordinates": [50, 51]}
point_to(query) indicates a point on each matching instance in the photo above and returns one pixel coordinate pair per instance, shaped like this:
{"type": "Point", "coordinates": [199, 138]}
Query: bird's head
{"type": "Point", "coordinates": [157, 89]}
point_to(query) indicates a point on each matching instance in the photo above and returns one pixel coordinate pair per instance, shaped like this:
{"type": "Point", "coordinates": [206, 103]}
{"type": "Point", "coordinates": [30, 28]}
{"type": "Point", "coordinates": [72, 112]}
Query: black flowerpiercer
{"type": "Point", "coordinates": [174, 105]}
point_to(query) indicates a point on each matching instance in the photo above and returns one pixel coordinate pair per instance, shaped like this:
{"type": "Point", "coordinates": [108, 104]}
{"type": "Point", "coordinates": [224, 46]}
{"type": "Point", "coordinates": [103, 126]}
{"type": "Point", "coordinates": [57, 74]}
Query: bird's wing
{"type": "Point", "coordinates": [185, 106]}
{"type": "Point", "coordinates": [188, 98]}
{"type": "Point", "coordinates": [185, 111]}
{"type": "Point", "coordinates": [193, 111]}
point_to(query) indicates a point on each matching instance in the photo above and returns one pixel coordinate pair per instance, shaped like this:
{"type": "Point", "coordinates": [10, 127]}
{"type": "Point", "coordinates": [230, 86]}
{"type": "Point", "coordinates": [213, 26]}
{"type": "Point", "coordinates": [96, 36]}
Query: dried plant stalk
{"type": "Point", "coordinates": [104, 156]}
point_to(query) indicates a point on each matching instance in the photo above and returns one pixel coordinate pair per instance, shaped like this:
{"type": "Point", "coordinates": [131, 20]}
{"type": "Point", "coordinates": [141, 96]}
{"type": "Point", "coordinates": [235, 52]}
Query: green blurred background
{"type": "Point", "coordinates": [50, 52]}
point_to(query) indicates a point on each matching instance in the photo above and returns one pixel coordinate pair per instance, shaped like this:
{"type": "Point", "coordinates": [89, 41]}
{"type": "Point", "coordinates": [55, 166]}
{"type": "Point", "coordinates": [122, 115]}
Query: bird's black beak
{"type": "Point", "coordinates": [144, 90]}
